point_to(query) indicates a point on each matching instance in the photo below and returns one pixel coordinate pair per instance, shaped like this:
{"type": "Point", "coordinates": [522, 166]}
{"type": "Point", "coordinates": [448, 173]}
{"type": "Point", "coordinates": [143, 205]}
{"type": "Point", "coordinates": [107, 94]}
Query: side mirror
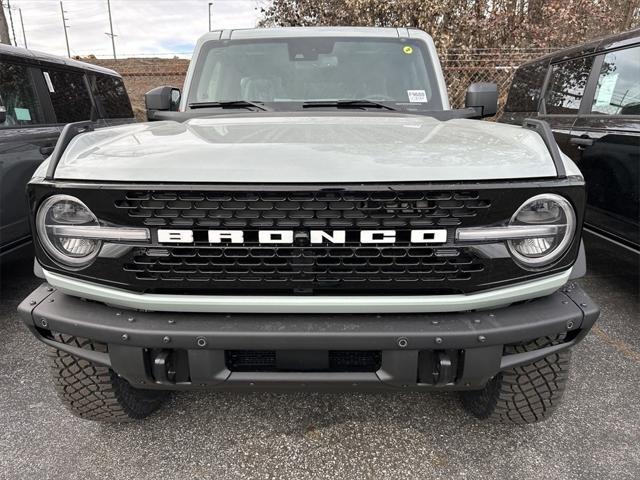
{"type": "Point", "coordinates": [3, 114]}
{"type": "Point", "coordinates": [482, 97]}
{"type": "Point", "coordinates": [163, 99]}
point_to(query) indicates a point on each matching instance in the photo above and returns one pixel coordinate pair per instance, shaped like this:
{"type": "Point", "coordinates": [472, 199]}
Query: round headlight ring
{"type": "Point", "coordinates": [51, 243]}
{"type": "Point", "coordinates": [561, 246]}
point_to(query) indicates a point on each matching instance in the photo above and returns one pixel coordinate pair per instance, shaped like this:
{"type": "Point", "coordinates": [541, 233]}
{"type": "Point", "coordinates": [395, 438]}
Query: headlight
{"type": "Point", "coordinates": [55, 215]}
{"type": "Point", "coordinates": [548, 210]}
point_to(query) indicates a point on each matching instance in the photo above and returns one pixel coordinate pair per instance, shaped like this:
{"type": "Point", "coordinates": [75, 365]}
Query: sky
{"type": "Point", "coordinates": [143, 27]}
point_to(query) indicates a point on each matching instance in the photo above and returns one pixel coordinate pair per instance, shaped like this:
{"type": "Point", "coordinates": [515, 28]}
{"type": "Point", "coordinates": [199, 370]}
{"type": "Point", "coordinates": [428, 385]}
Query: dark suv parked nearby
{"type": "Point", "coordinates": [39, 94]}
{"type": "Point", "coordinates": [590, 95]}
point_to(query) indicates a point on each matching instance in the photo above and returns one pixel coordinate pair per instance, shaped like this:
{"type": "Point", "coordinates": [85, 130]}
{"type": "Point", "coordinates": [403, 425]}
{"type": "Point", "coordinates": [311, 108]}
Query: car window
{"type": "Point", "coordinates": [315, 69]}
{"type": "Point", "coordinates": [566, 86]}
{"type": "Point", "coordinates": [526, 87]}
{"type": "Point", "coordinates": [18, 96]}
{"type": "Point", "coordinates": [69, 95]}
{"type": "Point", "coordinates": [618, 90]}
{"type": "Point", "coordinates": [111, 94]}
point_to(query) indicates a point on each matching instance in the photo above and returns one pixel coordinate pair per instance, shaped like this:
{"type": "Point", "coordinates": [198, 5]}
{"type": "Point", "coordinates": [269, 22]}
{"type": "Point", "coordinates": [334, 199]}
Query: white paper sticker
{"type": "Point", "coordinates": [47, 79]}
{"type": "Point", "coordinates": [22, 114]}
{"type": "Point", "coordinates": [417, 95]}
{"type": "Point", "coordinates": [605, 92]}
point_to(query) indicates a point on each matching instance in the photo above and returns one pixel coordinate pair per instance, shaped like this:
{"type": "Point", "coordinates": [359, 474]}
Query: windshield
{"type": "Point", "coordinates": [316, 69]}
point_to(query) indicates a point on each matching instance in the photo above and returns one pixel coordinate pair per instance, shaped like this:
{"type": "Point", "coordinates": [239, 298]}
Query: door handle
{"type": "Point", "coordinates": [581, 142]}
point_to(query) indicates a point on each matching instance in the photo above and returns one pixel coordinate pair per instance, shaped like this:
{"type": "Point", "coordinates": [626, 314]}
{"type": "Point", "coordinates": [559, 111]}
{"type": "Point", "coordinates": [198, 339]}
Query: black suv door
{"type": "Point", "coordinates": [563, 97]}
{"type": "Point", "coordinates": [605, 144]}
{"type": "Point", "coordinates": [29, 126]}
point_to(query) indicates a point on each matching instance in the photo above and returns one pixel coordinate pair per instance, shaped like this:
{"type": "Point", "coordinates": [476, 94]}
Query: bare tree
{"type": "Point", "coordinates": [469, 24]}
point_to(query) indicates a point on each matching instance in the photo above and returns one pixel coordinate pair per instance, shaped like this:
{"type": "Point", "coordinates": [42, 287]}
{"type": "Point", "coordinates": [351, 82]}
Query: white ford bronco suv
{"type": "Point", "coordinates": [310, 213]}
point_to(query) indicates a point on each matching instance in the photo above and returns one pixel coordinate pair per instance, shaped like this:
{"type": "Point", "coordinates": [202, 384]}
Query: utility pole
{"type": "Point", "coordinates": [64, 25]}
{"type": "Point", "coordinates": [113, 41]}
{"type": "Point", "coordinates": [13, 30]}
{"type": "Point", "coordinates": [24, 35]}
{"type": "Point", "coordinates": [4, 28]}
{"type": "Point", "coordinates": [210, 5]}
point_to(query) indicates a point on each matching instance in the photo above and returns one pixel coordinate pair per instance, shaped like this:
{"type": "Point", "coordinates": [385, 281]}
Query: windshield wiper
{"type": "Point", "coordinates": [230, 104]}
{"type": "Point", "coordinates": [347, 104]}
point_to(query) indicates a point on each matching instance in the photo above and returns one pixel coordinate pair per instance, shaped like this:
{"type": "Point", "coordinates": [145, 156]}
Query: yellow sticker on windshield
{"type": "Point", "coordinates": [407, 49]}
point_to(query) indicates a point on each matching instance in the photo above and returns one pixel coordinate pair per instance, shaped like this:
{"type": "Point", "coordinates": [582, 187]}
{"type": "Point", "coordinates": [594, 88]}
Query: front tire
{"type": "Point", "coordinates": [526, 394]}
{"type": "Point", "coordinates": [94, 392]}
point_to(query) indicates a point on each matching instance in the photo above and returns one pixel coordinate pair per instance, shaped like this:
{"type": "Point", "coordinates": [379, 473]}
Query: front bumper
{"type": "Point", "coordinates": [460, 350]}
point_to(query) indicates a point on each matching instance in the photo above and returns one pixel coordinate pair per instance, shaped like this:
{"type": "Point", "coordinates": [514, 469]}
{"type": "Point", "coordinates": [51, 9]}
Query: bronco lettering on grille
{"type": "Point", "coordinates": [313, 236]}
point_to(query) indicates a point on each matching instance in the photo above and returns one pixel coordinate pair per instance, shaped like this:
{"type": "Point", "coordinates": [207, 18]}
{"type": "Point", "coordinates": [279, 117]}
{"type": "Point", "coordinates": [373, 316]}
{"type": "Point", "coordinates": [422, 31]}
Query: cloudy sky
{"type": "Point", "coordinates": [143, 27]}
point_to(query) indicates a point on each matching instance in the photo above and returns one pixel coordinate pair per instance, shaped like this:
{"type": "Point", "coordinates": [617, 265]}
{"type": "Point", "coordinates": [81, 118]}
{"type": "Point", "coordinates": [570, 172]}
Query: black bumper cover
{"type": "Point", "coordinates": [477, 340]}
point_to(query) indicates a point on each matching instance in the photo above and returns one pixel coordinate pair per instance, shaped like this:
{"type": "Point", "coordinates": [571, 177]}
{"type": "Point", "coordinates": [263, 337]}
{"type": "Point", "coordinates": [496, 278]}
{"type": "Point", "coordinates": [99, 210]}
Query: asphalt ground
{"type": "Point", "coordinates": [594, 434]}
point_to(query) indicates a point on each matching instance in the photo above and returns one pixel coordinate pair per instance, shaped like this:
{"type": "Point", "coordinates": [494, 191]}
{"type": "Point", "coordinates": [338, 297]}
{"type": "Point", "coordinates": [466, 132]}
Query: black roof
{"type": "Point", "coordinates": [594, 46]}
{"type": "Point", "coordinates": [33, 55]}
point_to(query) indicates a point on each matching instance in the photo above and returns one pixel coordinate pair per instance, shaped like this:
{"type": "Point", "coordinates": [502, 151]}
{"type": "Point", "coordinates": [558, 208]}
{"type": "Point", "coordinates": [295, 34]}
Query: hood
{"type": "Point", "coordinates": [307, 149]}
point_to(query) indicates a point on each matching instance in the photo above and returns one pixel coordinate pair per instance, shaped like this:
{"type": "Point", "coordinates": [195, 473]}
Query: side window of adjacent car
{"type": "Point", "coordinates": [111, 94]}
{"type": "Point", "coordinates": [69, 95]}
{"type": "Point", "coordinates": [618, 89]}
{"type": "Point", "coordinates": [566, 86]}
{"type": "Point", "coordinates": [18, 96]}
{"type": "Point", "coordinates": [524, 94]}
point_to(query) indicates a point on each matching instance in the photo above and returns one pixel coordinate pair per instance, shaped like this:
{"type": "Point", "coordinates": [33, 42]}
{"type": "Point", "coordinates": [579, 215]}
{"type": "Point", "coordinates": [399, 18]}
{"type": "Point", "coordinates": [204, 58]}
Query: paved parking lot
{"type": "Point", "coordinates": [595, 434]}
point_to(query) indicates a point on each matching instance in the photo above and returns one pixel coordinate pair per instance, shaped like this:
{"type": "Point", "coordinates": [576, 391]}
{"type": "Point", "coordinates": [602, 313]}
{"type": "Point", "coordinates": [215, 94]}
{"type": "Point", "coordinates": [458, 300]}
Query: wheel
{"type": "Point", "coordinates": [94, 392]}
{"type": "Point", "coordinates": [526, 394]}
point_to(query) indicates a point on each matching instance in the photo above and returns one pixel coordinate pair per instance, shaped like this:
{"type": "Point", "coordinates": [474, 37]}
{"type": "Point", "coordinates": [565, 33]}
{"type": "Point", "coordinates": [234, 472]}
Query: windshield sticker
{"type": "Point", "coordinates": [407, 49]}
{"type": "Point", "coordinates": [47, 79]}
{"type": "Point", "coordinates": [417, 96]}
{"type": "Point", "coordinates": [22, 114]}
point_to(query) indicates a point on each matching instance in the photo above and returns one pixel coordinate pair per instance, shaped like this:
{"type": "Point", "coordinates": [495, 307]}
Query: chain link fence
{"type": "Point", "coordinates": [459, 78]}
{"type": "Point", "coordinates": [461, 68]}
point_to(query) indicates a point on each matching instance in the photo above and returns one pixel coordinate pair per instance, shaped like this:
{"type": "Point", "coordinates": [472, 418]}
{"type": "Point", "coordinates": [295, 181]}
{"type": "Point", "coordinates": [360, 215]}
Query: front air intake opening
{"type": "Point", "coordinates": [303, 360]}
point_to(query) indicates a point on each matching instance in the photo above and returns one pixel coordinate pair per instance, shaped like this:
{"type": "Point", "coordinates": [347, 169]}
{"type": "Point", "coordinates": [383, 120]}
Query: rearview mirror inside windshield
{"type": "Point", "coordinates": [307, 49]}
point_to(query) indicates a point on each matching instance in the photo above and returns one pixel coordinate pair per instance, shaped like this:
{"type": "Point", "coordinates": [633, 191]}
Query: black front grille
{"type": "Point", "coordinates": [312, 209]}
{"type": "Point", "coordinates": [305, 267]}
{"type": "Point", "coordinates": [301, 267]}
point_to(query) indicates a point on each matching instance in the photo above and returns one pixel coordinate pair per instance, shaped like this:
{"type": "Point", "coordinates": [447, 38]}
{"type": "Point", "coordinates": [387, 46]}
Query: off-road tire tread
{"type": "Point", "coordinates": [526, 394]}
{"type": "Point", "coordinates": [95, 392]}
